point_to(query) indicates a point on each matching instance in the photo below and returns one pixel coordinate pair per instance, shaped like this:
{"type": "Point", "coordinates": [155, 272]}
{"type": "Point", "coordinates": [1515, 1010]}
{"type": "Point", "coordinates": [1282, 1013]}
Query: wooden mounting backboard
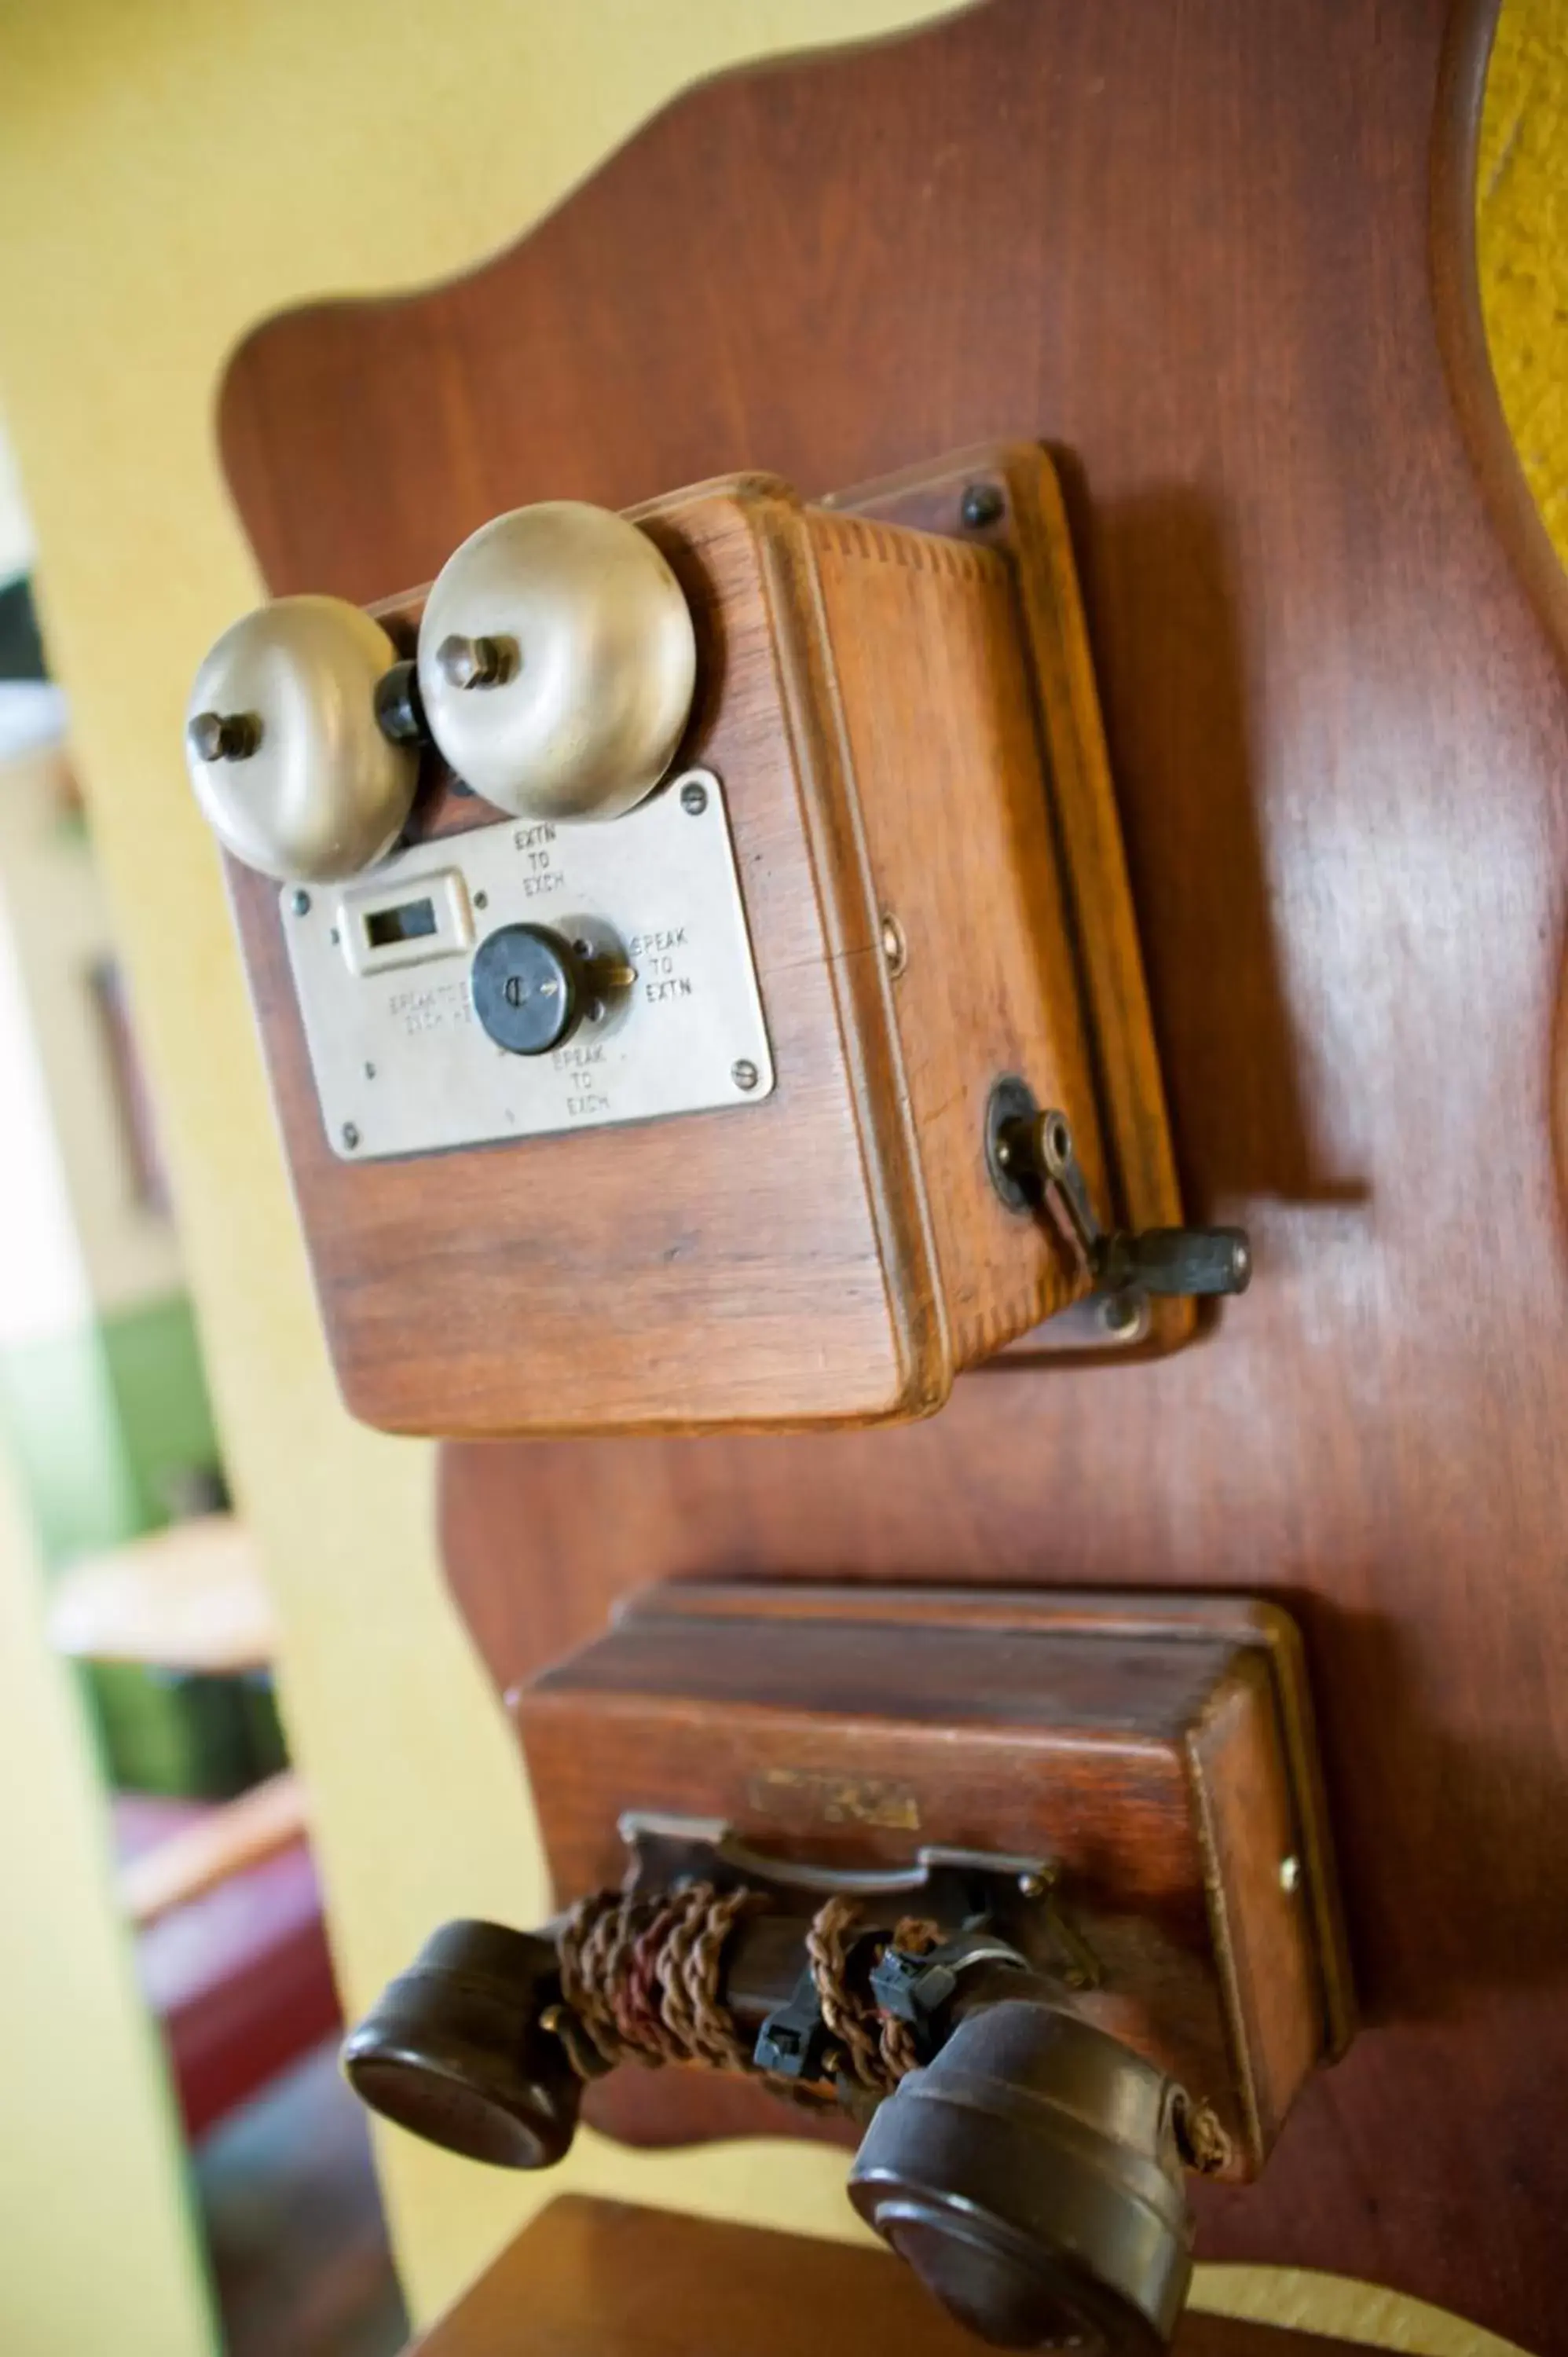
{"type": "Point", "coordinates": [1215, 256]}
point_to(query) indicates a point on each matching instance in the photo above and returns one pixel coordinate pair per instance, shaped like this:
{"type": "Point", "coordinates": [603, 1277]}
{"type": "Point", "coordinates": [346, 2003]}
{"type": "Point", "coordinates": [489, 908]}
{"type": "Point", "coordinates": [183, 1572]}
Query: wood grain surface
{"type": "Point", "coordinates": [602, 2279]}
{"type": "Point", "coordinates": [770, 1263]}
{"type": "Point", "coordinates": [1191, 248]}
{"type": "Point", "coordinates": [933, 681]}
{"type": "Point", "coordinates": [835, 1252]}
{"type": "Point", "coordinates": [1133, 1137]}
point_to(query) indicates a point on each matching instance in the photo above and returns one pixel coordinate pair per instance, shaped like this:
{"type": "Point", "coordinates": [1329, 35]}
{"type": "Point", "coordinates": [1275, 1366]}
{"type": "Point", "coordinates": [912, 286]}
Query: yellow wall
{"type": "Point", "coordinates": [169, 173]}
{"type": "Point", "coordinates": [95, 2250]}
{"type": "Point", "coordinates": [1522, 239]}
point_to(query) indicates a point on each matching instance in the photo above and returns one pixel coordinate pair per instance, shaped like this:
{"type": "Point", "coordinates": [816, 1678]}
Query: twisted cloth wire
{"type": "Point", "coordinates": [642, 1981]}
{"type": "Point", "coordinates": [879, 2048]}
{"type": "Point", "coordinates": [642, 1976]}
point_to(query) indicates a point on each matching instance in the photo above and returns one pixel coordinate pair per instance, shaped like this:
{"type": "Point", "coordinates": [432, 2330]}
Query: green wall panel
{"type": "Point", "coordinates": [102, 1421]}
{"type": "Point", "coordinates": [104, 1425]}
{"type": "Point", "coordinates": [160, 1394]}
{"type": "Point", "coordinates": [62, 1422]}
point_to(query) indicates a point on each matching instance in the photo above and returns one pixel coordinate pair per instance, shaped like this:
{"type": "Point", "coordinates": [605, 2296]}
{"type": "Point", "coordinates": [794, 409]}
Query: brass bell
{"type": "Point", "coordinates": [293, 770]}
{"type": "Point", "coordinates": [1032, 2177]}
{"type": "Point", "coordinates": [557, 662]}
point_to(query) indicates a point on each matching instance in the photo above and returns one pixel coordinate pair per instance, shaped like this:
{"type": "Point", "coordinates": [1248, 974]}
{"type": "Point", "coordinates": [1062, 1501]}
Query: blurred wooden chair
{"type": "Point", "coordinates": [223, 1895]}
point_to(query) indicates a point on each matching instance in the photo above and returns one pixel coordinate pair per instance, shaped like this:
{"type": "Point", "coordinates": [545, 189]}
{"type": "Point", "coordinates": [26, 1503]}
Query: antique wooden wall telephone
{"type": "Point", "coordinates": [747, 876]}
{"type": "Point", "coordinates": [696, 952]}
{"type": "Point", "coordinates": [694, 891]}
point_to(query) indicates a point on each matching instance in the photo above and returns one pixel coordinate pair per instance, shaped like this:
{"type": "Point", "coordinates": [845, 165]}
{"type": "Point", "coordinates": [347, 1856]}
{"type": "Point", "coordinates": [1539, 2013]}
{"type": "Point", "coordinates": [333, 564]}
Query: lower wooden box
{"type": "Point", "coordinates": [1156, 1749]}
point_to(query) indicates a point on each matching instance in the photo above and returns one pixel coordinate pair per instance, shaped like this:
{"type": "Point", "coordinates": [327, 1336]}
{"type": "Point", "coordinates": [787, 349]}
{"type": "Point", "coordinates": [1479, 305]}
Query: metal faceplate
{"type": "Point", "coordinates": [381, 969]}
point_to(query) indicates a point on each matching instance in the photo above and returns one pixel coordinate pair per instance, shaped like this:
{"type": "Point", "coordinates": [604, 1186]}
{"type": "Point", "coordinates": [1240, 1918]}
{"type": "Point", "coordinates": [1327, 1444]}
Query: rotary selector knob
{"type": "Point", "coordinates": [294, 773]}
{"type": "Point", "coordinates": [528, 988]}
{"type": "Point", "coordinates": [557, 662]}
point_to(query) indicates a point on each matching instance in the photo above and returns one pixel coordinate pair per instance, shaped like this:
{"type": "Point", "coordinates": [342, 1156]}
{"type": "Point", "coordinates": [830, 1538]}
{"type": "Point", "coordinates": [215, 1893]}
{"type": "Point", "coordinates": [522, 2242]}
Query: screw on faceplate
{"type": "Point", "coordinates": [693, 798]}
{"type": "Point", "coordinates": [369, 1072]}
{"type": "Point", "coordinates": [481, 900]}
{"type": "Point", "coordinates": [981, 504]}
{"type": "Point", "coordinates": [1290, 1874]}
{"type": "Point", "coordinates": [894, 948]}
{"type": "Point", "coordinates": [744, 1074]}
{"type": "Point", "coordinates": [350, 1135]}
{"type": "Point", "coordinates": [1032, 1886]}
{"type": "Point", "coordinates": [301, 904]}
{"type": "Point", "coordinates": [224, 736]}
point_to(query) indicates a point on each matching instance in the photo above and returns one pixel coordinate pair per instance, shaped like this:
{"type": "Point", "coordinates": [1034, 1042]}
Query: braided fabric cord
{"type": "Point", "coordinates": [879, 2048]}
{"type": "Point", "coordinates": [642, 1981]}
{"type": "Point", "coordinates": [642, 1977]}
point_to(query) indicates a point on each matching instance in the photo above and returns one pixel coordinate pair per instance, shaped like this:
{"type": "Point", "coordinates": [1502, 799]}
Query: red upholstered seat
{"type": "Point", "coordinates": [239, 1978]}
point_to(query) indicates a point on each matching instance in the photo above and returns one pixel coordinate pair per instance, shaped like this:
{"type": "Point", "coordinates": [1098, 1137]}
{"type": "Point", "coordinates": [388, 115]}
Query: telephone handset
{"type": "Point", "coordinates": [1028, 2166]}
{"type": "Point", "coordinates": [702, 988]}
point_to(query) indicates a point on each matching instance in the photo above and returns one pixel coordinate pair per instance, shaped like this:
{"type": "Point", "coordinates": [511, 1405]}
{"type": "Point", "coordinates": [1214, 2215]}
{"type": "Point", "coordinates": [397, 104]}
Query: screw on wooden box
{"type": "Point", "coordinates": [894, 691]}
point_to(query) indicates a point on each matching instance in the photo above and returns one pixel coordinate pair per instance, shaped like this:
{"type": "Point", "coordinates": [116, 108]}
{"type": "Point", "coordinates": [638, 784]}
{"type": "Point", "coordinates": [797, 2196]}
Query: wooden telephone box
{"type": "Point", "coordinates": [847, 1079]}
{"type": "Point", "coordinates": [1203, 776]}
